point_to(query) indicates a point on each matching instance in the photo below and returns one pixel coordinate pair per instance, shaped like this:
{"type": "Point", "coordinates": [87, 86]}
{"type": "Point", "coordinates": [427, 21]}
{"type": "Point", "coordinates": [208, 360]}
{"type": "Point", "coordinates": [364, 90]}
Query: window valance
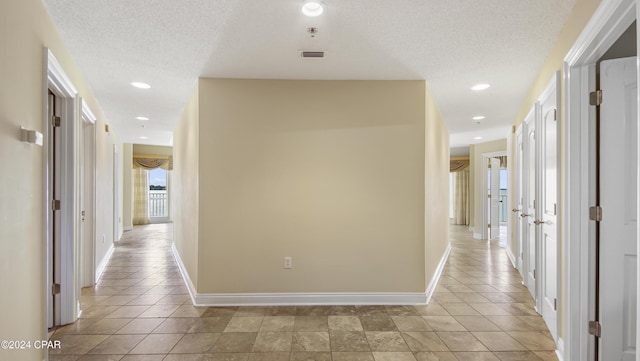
{"type": "Point", "coordinates": [149, 161]}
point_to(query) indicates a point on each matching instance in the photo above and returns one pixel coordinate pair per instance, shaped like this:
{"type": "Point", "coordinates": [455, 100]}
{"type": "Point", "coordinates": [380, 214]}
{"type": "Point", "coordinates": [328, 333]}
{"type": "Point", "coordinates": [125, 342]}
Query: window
{"type": "Point", "coordinates": [158, 199]}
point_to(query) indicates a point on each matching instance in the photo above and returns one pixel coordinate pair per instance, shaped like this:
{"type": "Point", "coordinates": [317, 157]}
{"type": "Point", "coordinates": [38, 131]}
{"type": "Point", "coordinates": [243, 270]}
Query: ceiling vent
{"type": "Point", "coordinates": [312, 54]}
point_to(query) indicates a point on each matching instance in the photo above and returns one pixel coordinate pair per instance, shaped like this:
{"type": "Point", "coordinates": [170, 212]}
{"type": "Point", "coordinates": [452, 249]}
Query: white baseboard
{"type": "Point", "coordinates": [299, 299]}
{"type": "Point", "coordinates": [512, 258]}
{"type": "Point", "coordinates": [560, 349]}
{"type": "Point", "coordinates": [291, 299]}
{"type": "Point", "coordinates": [103, 263]}
{"type": "Point", "coordinates": [477, 235]}
{"type": "Point", "coordinates": [436, 276]}
{"type": "Point", "coordinates": [185, 274]}
{"type": "Point", "coordinates": [127, 228]}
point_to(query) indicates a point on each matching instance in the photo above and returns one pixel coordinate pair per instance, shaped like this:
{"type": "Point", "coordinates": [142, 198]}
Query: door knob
{"type": "Point", "coordinates": [539, 221]}
{"type": "Point", "coordinates": [515, 210]}
{"type": "Point", "coordinates": [523, 215]}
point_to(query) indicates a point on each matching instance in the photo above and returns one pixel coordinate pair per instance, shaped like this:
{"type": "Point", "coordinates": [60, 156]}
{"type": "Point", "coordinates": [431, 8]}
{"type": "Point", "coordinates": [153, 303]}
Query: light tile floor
{"type": "Point", "coordinates": [140, 310]}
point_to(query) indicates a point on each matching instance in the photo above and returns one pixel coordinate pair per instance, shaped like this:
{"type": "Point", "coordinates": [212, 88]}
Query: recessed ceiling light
{"type": "Point", "coordinates": [312, 8]}
{"type": "Point", "coordinates": [144, 137]}
{"type": "Point", "coordinates": [142, 118]}
{"type": "Point", "coordinates": [478, 87]}
{"type": "Point", "coordinates": [479, 117]}
{"type": "Point", "coordinates": [140, 85]}
{"type": "Point", "coordinates": [477, 138]}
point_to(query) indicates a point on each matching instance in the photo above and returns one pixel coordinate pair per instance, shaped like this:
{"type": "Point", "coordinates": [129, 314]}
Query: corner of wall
{"type": "Point", "coordinates": [437, 158]}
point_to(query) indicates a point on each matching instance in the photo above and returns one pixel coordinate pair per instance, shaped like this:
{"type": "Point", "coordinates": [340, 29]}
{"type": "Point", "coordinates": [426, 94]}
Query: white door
{"type": "Point", "coordinates": [548, 222]}
{"type": "Point", "coordinates": [529, 211]}
{"type": "Point", "coordinates": [494, 193]}
{"type": "Point", "coordinates": [87, 191]}
{"type": "Point", "coordinates": [618, 198]}
{"type": "Point", "coordinates": [517, 211]}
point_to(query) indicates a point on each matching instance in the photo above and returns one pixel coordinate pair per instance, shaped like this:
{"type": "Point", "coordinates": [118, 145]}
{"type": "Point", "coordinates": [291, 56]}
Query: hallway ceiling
{"type": "Point", "coordinates": [169, 44]}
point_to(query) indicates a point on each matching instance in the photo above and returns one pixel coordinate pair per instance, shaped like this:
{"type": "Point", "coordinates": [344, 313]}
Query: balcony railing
{"type": "Point", "coordinates": [158, 205]}
{"type": "Point", "coordinates": [504, 211]}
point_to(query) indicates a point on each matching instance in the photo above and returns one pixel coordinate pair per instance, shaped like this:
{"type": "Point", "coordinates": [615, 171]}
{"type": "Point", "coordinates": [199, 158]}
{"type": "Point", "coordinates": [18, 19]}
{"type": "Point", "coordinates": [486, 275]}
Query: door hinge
{"type": "Point", "coordinates": [55, 121]}
{"type": "Point", "coordinates": [595, 328]}
{"type": "Point", "coordinates": [555, 209]}
{"type": "Point", "coordinates": [55, 205]}
{"type": "Point", "coordinates": [555, 304]}
{"type": "Point", "coordinates": [555, 114]}
{"type": "Point", "coordinates": [595, 98]}
{"type": "Point", "coordinates": [55, 289]}
{"type": "Point", "coordinates": [595, 213]}
{"type": "Point", "coordinates": [534, 274]}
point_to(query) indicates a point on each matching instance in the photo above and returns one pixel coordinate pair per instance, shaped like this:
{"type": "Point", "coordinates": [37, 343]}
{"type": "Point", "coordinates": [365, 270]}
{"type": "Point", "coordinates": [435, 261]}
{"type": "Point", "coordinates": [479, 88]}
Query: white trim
{"type": "Point", "coordinates": [60, 84]}
{"type": "Point", "coordinates": [127, 228]}
{"type": "Point", "coordinates": [436, 275]}
{"type": "Point", "coordinates": [58, 78]}
{"type": "Point", "coordinates": [103, 263]}
{"type": "Point", "coordinates": [477, 235]}
{"type": "Point", "coordinates": [298, 299]}
{"type": "Point", "coordinates": [87, 113]}
{"type": "Point", "coordinates": [512, 258]}
{"type": "Point", "coordinates": [608, 22]}
{"type": "Point", "coordinates": [285, 299]}
{"type": "Point", "coordinates": [184, 273]}
{"type": "Point", "coordinates": [560, 349]}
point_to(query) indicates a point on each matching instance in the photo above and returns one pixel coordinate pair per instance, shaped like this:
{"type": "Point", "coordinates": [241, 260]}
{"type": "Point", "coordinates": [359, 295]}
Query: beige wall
{"type": "Point", "coordinates": [26, 30]}
{"type": "Point", "coordinates": [436, 222]}
{"type": "Point", "coordinates": [581, 13]}
{"type": "Point", "coordinates": [329, 173]}
{"type": "Point", "coordinates": [152, 149]}
{"type": "Point", "coordinates": [477, 172]}
{"type": "Point", "coordinates": [184, 196]}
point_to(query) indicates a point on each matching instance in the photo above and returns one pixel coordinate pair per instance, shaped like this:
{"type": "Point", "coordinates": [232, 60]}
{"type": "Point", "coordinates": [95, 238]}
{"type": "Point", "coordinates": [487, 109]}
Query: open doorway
{"type": "Point", "coordinates": [158, 196]}
{"type": "Point", "coordinates": [497, 194]}
{"type": "Point", "coordinates": [495, 214]}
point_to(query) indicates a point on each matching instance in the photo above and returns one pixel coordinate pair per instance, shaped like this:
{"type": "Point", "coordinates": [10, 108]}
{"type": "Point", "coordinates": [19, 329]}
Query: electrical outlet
{"type": "Point", "coordinates": [288, 262]}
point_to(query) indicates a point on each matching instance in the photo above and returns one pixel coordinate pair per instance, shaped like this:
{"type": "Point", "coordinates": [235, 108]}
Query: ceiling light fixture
{"type": "Point", "coordinates": [140, 85]}
{"type": "Point", "coordinates": [142, 118]}
{"type": "Point", "coordinates": [312, 8]}
{"type": "Point", "coordinates": [144, 137]}
{"type": "Point", "coordinates": [477, 138]}
{"type": "Point", "coordinates": [479, 87]}
{"type": "Point", "coordinates": [479, 117]}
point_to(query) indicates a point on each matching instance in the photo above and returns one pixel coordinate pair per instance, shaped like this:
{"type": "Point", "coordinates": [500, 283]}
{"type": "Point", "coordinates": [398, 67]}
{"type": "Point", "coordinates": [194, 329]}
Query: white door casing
{"type": "Point", "coordinates": [87, 153]}
{"type": "Point", "coordinates": [494, 201]}
{"type": "Point", "coordinates": [61, 257]}
{"type": "Point", "coordinates": [618, 199]}
{"type": "Point", "coordinates": [529, 209]}
{"type": "Point", "coordinates": [548, 205]}
{"type": "Point", "coordinates": [517, 211]}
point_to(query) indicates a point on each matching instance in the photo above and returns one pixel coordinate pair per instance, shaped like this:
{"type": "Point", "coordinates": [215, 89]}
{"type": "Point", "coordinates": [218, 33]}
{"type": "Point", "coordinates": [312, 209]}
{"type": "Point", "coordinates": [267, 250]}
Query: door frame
{"type": "Point", "coordinates": [606, 25]}
{"type": "Point", "coordinates": [56, 80]}
{"type": "Point", "coordinates": [86, 250]}
{"type": "Point", "coordinates": [485, 202]}
{"type": "Point", "coordinates": [517, 199]}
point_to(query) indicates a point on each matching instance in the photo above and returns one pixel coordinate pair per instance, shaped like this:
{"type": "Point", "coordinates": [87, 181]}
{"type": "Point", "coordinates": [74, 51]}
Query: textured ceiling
{"type": "Point", "coordinates": [169, 44]}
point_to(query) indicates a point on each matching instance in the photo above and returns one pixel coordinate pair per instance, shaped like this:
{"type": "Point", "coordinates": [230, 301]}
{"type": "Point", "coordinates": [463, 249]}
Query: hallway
{"type": "Point", "coordinates": [141, 310]}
